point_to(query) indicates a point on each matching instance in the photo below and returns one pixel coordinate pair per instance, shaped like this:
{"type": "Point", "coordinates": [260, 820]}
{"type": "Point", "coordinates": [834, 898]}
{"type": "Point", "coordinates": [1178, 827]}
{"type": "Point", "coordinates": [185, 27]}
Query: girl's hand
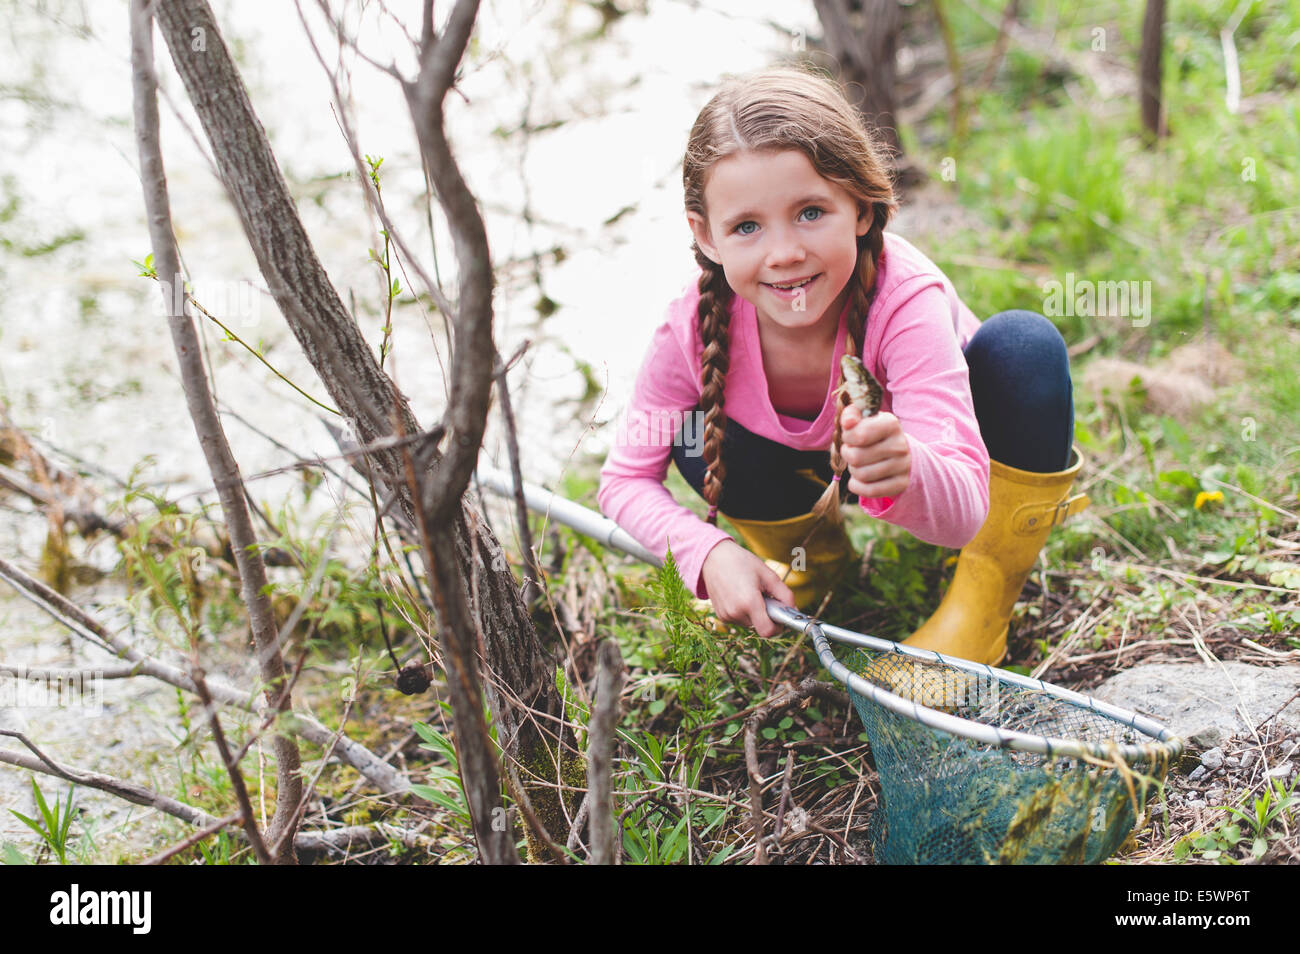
{"type": "Point", "coordinates": [876, 451]}
{"type": "Point", "coordinates": [737, 581]}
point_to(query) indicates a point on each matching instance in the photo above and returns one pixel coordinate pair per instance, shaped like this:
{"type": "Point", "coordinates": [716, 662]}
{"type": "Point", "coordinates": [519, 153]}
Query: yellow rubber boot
{"type": "Point", "coordinates": [810, 554]}
{"type": "Point", "coordinates": [971, 622]}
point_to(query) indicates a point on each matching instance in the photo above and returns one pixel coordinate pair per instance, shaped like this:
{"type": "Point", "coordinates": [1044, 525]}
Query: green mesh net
{"type": "Point", "coordinates": [951, 799]}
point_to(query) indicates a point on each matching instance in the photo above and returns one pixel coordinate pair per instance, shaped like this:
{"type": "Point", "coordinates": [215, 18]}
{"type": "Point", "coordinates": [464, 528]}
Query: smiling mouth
{"type": "Point", "coordinates": [790, 286]}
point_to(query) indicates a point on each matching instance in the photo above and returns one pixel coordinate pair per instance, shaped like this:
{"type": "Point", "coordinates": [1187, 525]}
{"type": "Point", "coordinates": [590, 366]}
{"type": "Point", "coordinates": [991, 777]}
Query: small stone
{"type": "Point", "coordinates": [1212, 758]}
{"type": "Point", "coordinates": [1195, 803]}
{"type": "Point", "coordinates": [1207, 737]}
{"type": "Point", "coordinates": [1232, 761]}
{"type": "Point", "coordinates": [1248, 758]}
{"type": "Point", "coordinates": [1281, 771]}
{"type": "Point", "coordinates": [1197, 772]}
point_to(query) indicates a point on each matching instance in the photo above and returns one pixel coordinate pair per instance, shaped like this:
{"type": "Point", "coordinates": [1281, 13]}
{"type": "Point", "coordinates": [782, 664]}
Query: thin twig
{"type": "Point", "coordinates": [131, 792]}
{"type": "Point", "coordinates": [232, 768]}
{"type": "Point", "coordinates": [1009, 13]}
{"type": "Point", "coordinates": [207, 831]}
{"type": "Point", "coordinates": [78, 621]}
{"type": "Point", "coordinates": [785, 794]}
{"type": "Point", "coordinates": [778, 703]}
{"type": "Point", "coordinates": [70, 676]}
{"type": "Point", "coordinates": [534, 578]}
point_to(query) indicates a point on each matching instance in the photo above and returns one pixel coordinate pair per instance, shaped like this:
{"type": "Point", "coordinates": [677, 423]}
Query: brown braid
{"type": "Point", "coordinates": [861, 297]}
{"type": "Point", "coordinates": [714, 314]}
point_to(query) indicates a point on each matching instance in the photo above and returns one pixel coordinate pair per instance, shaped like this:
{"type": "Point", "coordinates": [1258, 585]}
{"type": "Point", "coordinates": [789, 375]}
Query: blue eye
{"type": "Point", "coordinates": [743, 230]}
{"type": "Point", "coordinates": [818, 213]}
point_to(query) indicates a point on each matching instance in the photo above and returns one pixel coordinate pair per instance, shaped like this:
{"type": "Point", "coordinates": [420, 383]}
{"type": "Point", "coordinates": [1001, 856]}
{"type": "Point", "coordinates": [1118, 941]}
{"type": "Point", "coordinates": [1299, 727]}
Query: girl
{"type": "Point", "coordinates": [787, 196]}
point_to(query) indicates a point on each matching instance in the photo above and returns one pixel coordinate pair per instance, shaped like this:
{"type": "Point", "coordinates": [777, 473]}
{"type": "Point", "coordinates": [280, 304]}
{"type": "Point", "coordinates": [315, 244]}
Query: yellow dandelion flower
{"type": "Point", "coordinates": [1212, 497]}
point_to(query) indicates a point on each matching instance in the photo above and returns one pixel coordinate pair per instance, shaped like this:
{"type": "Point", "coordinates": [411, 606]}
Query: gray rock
{"type": "Point", "coordinates": [1212, 758]}
{"type": "Point", "coordinates": [1206, 738]}
{"type": "Point", "coordinates": [1281, 771]}
{"type": "Point", "coordinates": [1199, 772]}
{"type": "Point", "coordinates": [1195, 698]}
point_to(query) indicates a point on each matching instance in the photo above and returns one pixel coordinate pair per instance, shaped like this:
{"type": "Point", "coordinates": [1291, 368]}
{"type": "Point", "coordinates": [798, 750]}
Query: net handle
{"type": "Point", "coordinates": [1166, 746]}
{"type": "Point", "coordinates": [608, 532]}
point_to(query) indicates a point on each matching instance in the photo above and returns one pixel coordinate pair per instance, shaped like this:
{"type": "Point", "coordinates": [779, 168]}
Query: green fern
{"type": "Point", "coordinates": [693, 653]}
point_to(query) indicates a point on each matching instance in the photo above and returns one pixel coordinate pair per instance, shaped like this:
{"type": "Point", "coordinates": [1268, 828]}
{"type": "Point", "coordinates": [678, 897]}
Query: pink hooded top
{"type": "Point", "coordinates": [915, 332]}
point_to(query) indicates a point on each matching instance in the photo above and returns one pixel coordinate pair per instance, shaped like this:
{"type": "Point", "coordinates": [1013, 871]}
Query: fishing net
{"type": "Point", "coordinates": [983, 766]}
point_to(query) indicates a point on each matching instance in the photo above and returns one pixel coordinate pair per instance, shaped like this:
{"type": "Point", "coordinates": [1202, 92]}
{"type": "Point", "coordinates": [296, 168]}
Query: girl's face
{"type": "Point", "coordinates": [773, 224]}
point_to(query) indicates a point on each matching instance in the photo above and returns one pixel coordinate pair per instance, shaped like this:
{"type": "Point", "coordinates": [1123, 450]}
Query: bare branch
{"type": "Point", "coordinates": [70, 675]}
{"type": "Point", "coordinates": [131, 792]}
{"type": "Point", "coordinates": [439, 56]}
{"type": "Point", "coordinates": [236, 776]}
{"type": "Point", "coordinates": [1009, 14]}
{"type": "Point", "coordinates": [1231, 70]}
{"type": "Point", "coordinates": [1149, 70]}
{"type": "Point", "coordinates": [207, 831]}
{"type": "Point", "coordinates": [472, 363]}
{"type": "Point", "coordinates": [600, 754]}
{"type": "Point", "coordinates": [77, 620]}
{"type": "Point", "coordinates": [427, 39]}
{"type": "Point", "coordinates": [533, 582]}
{"type": "Point", "coordinates": [344, 39]}
{"type": "Point", "coordinates": [86, 521]}
{"type": "Point", "coordinates": [475, 759]}
{"type": "Point", "coordinates": [363, 177]}
{"type": "Point", "coordinates": [338, 840]}
{"type": "Point", "coordinates": [207, 425]}
{"type": "Point", "coordinates": [354, 837]}
{"type": "Point", "coordinates": [289, 265]}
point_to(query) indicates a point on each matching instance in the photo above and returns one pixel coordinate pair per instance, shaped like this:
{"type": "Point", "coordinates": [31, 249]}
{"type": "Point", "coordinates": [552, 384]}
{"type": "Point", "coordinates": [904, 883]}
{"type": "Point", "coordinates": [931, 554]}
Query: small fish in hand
{"type": "Point", "coordinates": [861, 386]}
{"type": "Point", "coordinates": [865, 393]}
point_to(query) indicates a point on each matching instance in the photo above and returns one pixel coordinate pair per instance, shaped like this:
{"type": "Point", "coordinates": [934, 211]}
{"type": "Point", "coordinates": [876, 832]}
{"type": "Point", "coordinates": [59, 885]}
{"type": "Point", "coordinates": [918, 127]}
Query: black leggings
{"type": "Point", "coordinates": [1024, 402]}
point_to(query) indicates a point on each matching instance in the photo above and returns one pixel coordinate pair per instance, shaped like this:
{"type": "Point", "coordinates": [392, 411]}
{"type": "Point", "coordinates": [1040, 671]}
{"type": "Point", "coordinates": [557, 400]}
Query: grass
{"type": "Point", "coordinates": [54, 826]}
{"type": "Point", "coordinates": [1250, 826]}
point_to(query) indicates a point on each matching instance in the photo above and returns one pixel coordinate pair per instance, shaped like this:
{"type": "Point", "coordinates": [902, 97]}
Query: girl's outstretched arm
{"type": "Point", "coordinates": [632, 493]}
{"type": "Point", "coordinates": [928, 406]}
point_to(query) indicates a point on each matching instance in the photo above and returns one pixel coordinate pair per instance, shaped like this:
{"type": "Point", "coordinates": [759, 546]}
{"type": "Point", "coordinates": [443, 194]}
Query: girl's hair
{"type": "Point", "coordinates": [777, 109]}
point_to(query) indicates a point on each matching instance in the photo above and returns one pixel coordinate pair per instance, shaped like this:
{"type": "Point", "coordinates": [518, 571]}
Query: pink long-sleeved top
{"type": "Point", "coordinates": [915, 332]}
